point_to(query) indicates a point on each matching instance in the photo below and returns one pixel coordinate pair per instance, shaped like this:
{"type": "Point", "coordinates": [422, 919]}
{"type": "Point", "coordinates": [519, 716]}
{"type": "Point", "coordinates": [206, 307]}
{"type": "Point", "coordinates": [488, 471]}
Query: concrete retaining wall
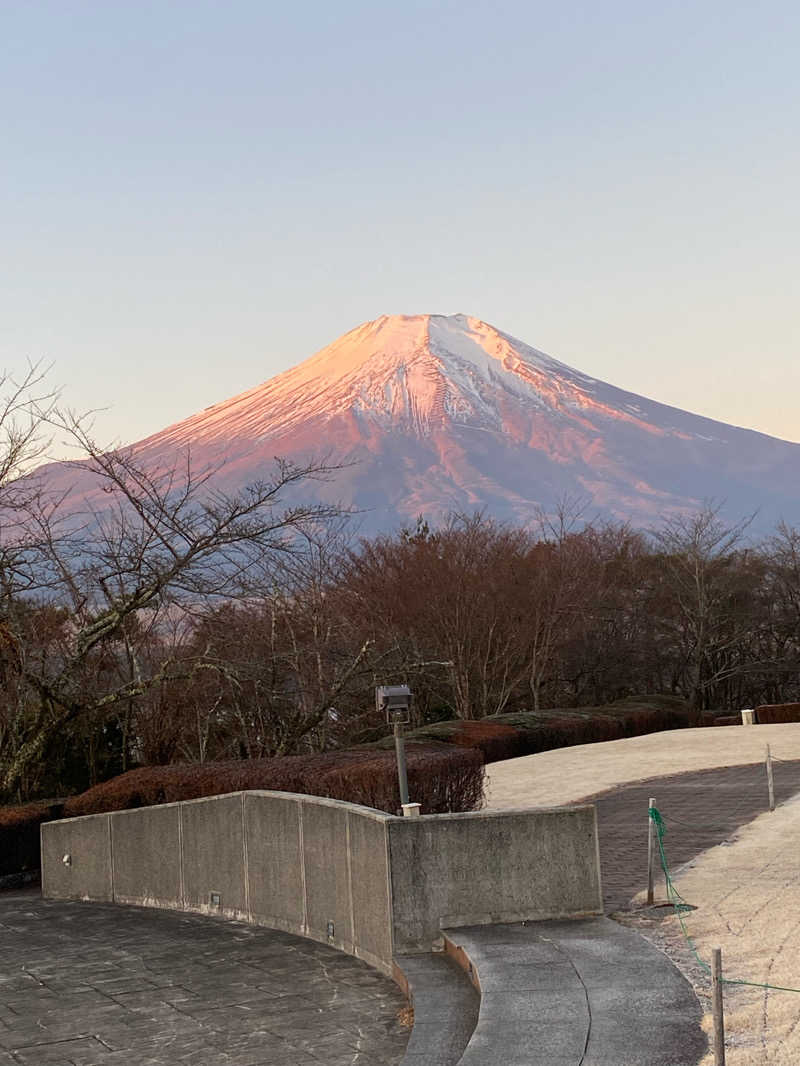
{"type": "Point", "coordinates": [365, 882]}
{"type": "Point", "coordinates": [498, 866]}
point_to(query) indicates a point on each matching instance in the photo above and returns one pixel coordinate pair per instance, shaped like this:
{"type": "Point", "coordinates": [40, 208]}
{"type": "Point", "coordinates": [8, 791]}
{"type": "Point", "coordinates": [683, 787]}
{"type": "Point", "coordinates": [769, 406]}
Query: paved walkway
{"type": "Point", "coordinates": [577, 993]}
{"type": "Point", "coordinates": [700, 811]}
{"type": "Point", "coordinates": [100, 985]}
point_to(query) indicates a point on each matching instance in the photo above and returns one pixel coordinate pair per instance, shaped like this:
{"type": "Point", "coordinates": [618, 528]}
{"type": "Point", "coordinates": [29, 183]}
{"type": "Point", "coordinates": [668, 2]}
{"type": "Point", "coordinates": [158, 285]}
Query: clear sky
{"type": "Point", "coordinates": [197, 195]}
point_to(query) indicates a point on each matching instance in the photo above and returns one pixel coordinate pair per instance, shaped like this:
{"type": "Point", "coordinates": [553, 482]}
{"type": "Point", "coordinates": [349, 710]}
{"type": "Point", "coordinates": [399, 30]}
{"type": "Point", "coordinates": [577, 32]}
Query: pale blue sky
{"type": "Point", "coordinates": [196, 195]}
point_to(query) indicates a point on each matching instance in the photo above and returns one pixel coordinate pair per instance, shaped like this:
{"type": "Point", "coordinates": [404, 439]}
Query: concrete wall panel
{"type": "Point", "coordinates": [388, 885]}
{"type": "Point", "coordinates": [213, 855]}
{"type": "Point", "coordinates": [327, 877]}
{"type": "Point", "coordinates": [146, 849]}
{"type": "Point", "coordinates": [274, 861]}
{"type": "Point", "coordinates": [504, 866]}
{"type": "Point", "coordinates": [369, 865]}
{"type": "Point", "coordinates": [87, 843]}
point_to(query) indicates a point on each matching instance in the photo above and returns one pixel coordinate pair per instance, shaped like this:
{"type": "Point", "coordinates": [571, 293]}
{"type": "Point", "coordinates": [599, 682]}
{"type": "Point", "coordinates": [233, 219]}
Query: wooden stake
{"type": "Point", "coordinates": [716, 1007]}
{"type": "Point", "coordinates": [770, 782]}
{"type": "Point", "coordinates": [651, 852]}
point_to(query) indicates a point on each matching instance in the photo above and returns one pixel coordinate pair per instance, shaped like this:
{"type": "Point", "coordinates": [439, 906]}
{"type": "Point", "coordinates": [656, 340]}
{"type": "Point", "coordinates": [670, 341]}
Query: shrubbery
{"type": "Point", "coordinates": [442, 778]}
{"type": "Point", "coordinates": [508, 736]}
{"type": "Point", "coordinates": [775, 713]}
{"type": "Point", "coordinates": [445, 767]}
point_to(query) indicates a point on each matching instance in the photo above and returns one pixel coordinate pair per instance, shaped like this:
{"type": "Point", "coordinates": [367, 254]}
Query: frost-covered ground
{"type": "Point", "coordinates": [747, 896]}
{"type": "Point", "coordinates": [569, 774]}
{"type": "Point", "coordinates": [746, 891]}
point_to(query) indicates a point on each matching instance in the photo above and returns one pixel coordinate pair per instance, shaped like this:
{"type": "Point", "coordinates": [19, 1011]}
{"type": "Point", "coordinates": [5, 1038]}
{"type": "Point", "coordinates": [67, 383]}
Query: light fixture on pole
{"type": "Point", "coordinates": [395, 702]}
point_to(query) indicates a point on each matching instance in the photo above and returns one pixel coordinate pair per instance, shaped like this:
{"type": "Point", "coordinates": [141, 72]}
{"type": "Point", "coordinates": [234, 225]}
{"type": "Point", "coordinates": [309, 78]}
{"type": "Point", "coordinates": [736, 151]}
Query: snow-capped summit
{"type": "Point", "coordinates": [416, 371]}
{"type": "Point", "coordinates": [440, 413]}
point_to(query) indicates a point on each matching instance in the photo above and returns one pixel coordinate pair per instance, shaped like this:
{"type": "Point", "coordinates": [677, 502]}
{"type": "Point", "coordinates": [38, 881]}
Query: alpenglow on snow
{"type": "Point", "coordinates": [434, 414]}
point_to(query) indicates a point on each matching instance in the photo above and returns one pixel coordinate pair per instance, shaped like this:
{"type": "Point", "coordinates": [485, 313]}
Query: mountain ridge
{"type": "Point", "coordinates": [445, 413]}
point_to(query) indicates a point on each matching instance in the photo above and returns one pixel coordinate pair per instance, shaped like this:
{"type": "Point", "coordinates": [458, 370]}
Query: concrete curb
{"type": "Point", "coordinates": [445, 1008]}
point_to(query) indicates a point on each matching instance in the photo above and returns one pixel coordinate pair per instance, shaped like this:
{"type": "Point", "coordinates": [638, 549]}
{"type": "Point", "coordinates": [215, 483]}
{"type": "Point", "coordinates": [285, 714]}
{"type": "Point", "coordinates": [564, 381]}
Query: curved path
{"type": "Point", "coordinates": [576, 993]}
{"type": "Point", "coordinates": [107, 985]}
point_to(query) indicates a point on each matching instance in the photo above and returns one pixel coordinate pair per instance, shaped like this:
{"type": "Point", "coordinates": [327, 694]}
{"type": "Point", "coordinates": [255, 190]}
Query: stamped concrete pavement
{"type": "Point", "coordinates": [100, 985]}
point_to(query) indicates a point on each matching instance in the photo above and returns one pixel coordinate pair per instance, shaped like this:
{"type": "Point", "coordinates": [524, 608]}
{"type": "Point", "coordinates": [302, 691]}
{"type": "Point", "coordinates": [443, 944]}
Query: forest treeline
{"type": "Point", "coordinates": [478, 618]}
{"type": "Point", "coordinates": [185, 624]}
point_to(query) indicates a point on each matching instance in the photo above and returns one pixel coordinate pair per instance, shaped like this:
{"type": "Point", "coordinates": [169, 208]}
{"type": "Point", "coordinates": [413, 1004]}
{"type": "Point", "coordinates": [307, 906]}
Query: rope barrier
{"type": "Point", "coordinates": [680, 907]}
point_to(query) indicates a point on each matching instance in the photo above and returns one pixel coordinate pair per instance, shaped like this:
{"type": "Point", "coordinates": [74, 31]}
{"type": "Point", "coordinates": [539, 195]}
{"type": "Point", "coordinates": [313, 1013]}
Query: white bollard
{"type": "Point", "coordinates": [651, 851]}
{"type": "Point", "coordinates": [748, 717]}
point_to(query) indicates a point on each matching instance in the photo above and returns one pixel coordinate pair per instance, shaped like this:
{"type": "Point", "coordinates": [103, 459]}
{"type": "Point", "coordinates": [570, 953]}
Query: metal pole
{"type": "Point", "coordinates": [402, 776]}
{"type": "Point", "coordinates": [770, 782]}
{"type": "Point", "coordinates": [716, 1007]}
{"type": "Point", "coordinates": [651, 851]}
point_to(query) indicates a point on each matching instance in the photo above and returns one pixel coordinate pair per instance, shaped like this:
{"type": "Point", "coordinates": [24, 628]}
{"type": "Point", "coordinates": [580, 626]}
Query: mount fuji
{"type": "Point", "coordinates": [436, 414]}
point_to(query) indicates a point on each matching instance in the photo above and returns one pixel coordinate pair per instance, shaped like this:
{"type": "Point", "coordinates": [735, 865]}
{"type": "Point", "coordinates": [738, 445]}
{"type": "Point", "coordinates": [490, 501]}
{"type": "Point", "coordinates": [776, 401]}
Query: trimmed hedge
{"type": "Point", "coordinates": [776, 713]}
{"type": "Point", "coordinates": [494, 740]}
{"type": "Point", "coordinates": [445, 766]}
{"type": "Point", "coordinates": [19, 835]}
{"type": "Point", "coordinates": [442, 778]}
{"type": "Point", "coordinates": [508, 736]}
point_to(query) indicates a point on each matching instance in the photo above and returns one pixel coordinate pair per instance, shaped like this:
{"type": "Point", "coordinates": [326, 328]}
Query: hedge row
{"type": "Point", "coordinates": [442, 778]}
{"type": "Point", "coordinates": [776, 713]}
{"type": "Point", "coordinates": [445, 767]}
{"type": "Point", "coordinates": [508, 736]}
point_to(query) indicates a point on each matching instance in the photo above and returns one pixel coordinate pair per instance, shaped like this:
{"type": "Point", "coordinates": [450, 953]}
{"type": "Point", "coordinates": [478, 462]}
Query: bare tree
{"type": "Point", "coordinates": [168, 538]}
{"type": "Point", "coordinates": [698, 557]}
{"type": "Point", "coordinates": [286, 666]}
{"type": "Point", "coordinates": [26, 406]}
{"type": "Point", "coordinates": [560, 589]}
{"type": "Point", "coordinates": [453, 597]}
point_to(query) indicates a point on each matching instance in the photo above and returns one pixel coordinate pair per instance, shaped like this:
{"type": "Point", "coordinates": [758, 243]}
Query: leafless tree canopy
{"type": "Point", "coordinates": [175, 622]}
{"type": "Point", "coordinates": [97, 605]}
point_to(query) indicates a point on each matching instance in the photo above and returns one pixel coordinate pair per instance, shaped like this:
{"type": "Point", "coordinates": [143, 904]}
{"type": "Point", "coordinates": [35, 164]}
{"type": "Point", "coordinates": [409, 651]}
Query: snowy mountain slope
{"type": "Point", "coordinates": [448, 413]}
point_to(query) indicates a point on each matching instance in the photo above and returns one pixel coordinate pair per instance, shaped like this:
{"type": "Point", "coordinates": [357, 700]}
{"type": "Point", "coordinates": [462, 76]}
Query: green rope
{"type": "Point", "coordinates": [680, 907]}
